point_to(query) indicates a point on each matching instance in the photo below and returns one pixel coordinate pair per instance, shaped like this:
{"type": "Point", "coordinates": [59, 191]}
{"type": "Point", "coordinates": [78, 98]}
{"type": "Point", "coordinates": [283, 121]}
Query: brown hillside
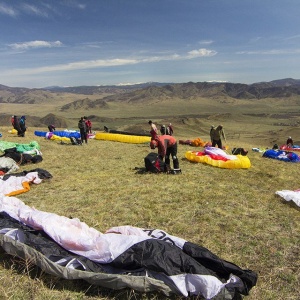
{"type": "Point", "coordinates": [58, 122]}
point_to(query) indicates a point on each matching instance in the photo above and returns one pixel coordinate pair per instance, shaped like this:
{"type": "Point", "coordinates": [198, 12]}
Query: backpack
{"type": "Point", "coordinates": [154, 164]}
{"type": "Point", "coordinates": [241, 151]}
{"type": "Point", "coordinates": [75, 141]}
{"type": "Point", "coordinates": [81, 124]}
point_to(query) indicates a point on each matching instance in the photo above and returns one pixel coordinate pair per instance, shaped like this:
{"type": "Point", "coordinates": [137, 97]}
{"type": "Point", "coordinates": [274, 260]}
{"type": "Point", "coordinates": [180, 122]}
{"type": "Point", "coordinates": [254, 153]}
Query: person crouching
{"type": "Point", "coordinates": [166, 146]}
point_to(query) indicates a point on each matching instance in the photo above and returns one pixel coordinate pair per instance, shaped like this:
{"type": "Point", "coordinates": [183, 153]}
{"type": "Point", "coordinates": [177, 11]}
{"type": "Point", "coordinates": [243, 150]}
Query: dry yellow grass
{"type": "Point", "coordinates": [234, 213]}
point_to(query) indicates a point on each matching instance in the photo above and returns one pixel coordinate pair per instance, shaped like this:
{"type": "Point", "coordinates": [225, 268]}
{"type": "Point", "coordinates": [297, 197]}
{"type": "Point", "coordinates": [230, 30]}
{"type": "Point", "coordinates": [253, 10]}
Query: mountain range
{"type": "Point", "coordinates": [154, 90]}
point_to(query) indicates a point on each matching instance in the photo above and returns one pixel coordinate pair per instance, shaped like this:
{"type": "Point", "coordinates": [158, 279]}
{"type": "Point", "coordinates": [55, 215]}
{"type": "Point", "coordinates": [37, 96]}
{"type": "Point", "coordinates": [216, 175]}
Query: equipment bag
{"type": "Point", "coordinates": [154, 164]}
{"type": "Point", "coordinates": [75, 141]}
{"type": "Point", "coordinates": [240, 151]}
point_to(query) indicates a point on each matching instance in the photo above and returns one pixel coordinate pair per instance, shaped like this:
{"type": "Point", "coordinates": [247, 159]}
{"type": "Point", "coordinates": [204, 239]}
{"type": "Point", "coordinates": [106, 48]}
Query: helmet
{"type": "Point", "coordinates": [153, 144]}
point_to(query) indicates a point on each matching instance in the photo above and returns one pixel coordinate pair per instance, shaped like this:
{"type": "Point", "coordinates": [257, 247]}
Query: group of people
{"type": "Point", "coordinates": [163, 129]}
{"type": "Point", "coordinates": [166, 145]}
{"type": "Point", "coordinates": [85, 128]}
{"type": "Point", "coordinates": [166, 130]}
{"type": "Point", "coordinates": [19, 124]}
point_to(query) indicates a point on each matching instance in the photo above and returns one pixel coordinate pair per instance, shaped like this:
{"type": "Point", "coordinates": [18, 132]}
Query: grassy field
{"type": "Point", "coordinates": [233, 213]}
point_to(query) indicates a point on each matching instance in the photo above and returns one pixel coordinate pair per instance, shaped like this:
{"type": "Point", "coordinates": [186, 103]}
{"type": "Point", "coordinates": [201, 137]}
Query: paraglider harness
{"type": "Point", "coordinates": [154, 164]}
{"type": "Point", "coordinates": [241, 151]}
{"type": "Point", "coordinates": [75, 141]}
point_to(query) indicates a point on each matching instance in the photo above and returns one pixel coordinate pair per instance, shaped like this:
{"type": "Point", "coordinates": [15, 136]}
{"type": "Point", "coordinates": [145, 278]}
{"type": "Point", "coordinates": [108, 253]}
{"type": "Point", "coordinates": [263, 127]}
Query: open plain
{"type": "Point", "coordinates": [232, 212]}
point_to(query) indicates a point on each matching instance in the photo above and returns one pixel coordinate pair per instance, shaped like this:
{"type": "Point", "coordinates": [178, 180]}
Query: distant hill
{"type": "Point", "coordinates": [286, 82]}
{"type": "Point", "coordinates": [216, 90]}
{"type": "Point", "coordinates": [105, 89]}
{"type": "Point", "coordinates": [147, 91]}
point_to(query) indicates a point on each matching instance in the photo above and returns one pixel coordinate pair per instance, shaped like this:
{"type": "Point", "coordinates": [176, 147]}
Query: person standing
{"type": "Point", "coordinates": [17, 125]}
{"type": "Point", "coordinates": [12, 120]}
{"type": "Point", "coordinates": [217, 134]}
{"type": "Point", "coordinates": [153, 131]}
{"type": "Point", "coordinates": [211, 132]}
{"type": "Point", "coordinates": [22, 126]}
{"type": "Point", "coordinates": [82, 129]}
{"type": "Point", "coordinates": [290, 142]}
{"type": "Point", "coordinates": [166, 145]}
{"type": "Point", "coordinates": [88, 125]}
{"type": "Point", "coordinates": [163, 130]}
{"type": "Point", "coordinates": [170, 129]}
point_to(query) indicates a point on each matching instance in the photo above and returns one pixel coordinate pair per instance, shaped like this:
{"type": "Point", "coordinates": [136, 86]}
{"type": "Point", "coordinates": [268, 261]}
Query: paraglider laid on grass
{"type": "Point", "coordinates": [123, 138]}
{"type": "Point", "coordinates": [218, 158]}
{"type": "Point", "coordinates": [32, 148]}
{"type": "Point", "coordinates": [66, 134]}
{"type": "Point", "coordinates": [290, 196]}
{"type": "Point", "coordinates": [145, 260]}
{"type": "Point", "coordinates": [290, 148]}
{"type": "Point", "coordinates": [282, 155]}
{"type": "Point", "coordinates": [106, 129]}
{"type": "Point", "coordinates": [198, 142]}
{"type": "Point", "coordinates": [18, 183]}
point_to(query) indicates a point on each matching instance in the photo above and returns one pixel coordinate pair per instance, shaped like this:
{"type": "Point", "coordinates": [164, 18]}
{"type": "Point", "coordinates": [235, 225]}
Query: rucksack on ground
{"type": "Point", "coordinates": [240, 151]}
{"type": "Point", "coordinates": [75, 141]}
{"type": "Point", "coordinates": [154, 164]}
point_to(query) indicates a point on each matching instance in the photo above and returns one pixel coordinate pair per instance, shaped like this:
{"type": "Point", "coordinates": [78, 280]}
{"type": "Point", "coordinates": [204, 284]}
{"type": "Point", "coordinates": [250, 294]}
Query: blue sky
{"type": "Point", "coordinates": [102, 42]}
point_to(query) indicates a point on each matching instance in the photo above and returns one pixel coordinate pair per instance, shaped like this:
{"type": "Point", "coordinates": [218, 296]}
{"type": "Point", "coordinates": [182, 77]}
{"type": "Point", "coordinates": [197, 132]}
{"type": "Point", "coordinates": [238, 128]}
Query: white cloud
{"type": "Point", "coordinates": [293, 37]}
{"type": "Point", "coordinates": [35, 44]}
{"type": "Point", "coordinates": [100, 63]}
{"type": "Point", "coordinates": [81, 6]}
{"type": "Point", "coordinates": [73, 3]}
{"type": "Point", "coordinates": [33, 10]}
{"type": "Point", "coordinates": [206, 42]}
{"type": "Point", "coordinates": [255, 39]}
{"type": "Point", "coordinates": [201, 52]}
{"type": "Point", "coordinates": [6, 10]}
{"type": "Point", "coordinates": [270, 52]}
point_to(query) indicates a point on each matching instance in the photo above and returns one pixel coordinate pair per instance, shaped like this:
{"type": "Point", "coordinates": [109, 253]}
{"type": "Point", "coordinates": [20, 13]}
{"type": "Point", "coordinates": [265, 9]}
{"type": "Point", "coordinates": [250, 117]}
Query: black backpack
{"type": "Point", "coordinates": [75, 141]}
{"type": "Point", "coordinates": [240, 151]}
{"type": "Point", "coordinates": [154, 164]}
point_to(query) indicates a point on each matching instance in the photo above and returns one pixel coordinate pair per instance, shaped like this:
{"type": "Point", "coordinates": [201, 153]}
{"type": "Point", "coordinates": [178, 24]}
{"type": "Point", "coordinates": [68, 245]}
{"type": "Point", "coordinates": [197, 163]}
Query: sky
{"type": "Point", "coordinates": [112, 42]}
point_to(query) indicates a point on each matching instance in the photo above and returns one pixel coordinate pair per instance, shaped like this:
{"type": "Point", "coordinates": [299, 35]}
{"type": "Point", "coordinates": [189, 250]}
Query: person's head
{"type": "Point", "coordinates": [23, 117]}
{"type": "Point", "coordinates": [170, 124]}
{"type": "Point", "coordinates": [212, 126]}
{"type": "Point", "coordinates": [153, 144]}
{"type": "Point", "coordinates": [289, 137]}
{"type": "Point", "coordinates": [150, 122]}
{"type": "Point", "coordinates": [220, 127]}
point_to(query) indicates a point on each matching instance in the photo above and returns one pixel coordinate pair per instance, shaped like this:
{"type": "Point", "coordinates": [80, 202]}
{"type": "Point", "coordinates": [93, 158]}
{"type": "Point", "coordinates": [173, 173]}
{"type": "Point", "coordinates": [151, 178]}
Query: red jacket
{"type": "Point", "coordinates": [164, 142]}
